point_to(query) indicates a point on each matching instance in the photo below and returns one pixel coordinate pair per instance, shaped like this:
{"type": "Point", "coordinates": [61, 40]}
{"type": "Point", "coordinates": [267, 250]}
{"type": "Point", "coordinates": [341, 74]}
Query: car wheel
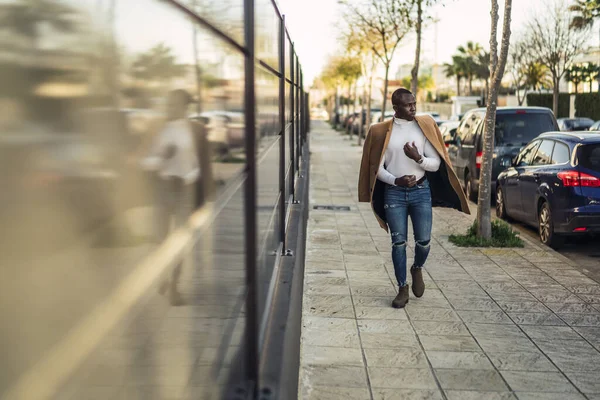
{"type": "Point", "coordinates": [546, 227]}
{"type": "Point", "coordinates": [500, 205]}
{"type": "Point", "coordinates": [469, 188]}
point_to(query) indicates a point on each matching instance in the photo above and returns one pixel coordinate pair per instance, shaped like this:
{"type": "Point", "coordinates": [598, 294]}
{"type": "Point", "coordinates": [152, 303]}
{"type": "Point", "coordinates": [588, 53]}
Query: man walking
{"type": "Point", "coordinates": [405, 171]}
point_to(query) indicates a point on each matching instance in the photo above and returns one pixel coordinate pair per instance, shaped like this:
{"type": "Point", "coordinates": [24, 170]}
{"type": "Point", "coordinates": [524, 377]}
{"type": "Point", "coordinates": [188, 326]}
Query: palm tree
{"type": "Point", "coordinates": [482, 69]}
{"type": "Point", "coordinates": [589, 73]}
{"type": "Point", "coordinates": [575, 76]}
{"type": "Point", "coordinates": [456, 69]}
{"type": "Point", "coordinates": [586, 12]}
{"type": "Point", "coordinates": [536, 76]}
{"type": "Point", "coordinates": [470, 53]}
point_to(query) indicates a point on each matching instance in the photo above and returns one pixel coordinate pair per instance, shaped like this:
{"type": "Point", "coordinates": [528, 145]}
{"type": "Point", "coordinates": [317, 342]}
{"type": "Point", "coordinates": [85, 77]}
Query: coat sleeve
{"type": "Point", "coordinates": [364, 186]}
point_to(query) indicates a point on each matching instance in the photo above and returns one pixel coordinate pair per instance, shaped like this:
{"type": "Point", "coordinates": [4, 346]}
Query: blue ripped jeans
{"type": "Point", "coordinates": [399, 204]}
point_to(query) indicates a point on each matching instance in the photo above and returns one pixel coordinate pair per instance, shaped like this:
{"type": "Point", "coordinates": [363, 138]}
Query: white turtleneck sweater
{"type": "Point", "coordinates": [396, 164]}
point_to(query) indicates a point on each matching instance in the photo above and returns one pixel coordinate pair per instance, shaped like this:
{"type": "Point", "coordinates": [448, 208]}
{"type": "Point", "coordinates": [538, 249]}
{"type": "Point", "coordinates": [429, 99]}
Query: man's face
{"type": "Point", "coordinates": [406, 107]}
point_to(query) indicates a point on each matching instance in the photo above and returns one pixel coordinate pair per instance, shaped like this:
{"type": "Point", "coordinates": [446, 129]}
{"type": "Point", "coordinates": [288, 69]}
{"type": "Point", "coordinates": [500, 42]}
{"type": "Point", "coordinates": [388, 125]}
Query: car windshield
{"type": "Point", "coordinates": [519, 129]}
{"type": "Point", "coordinates": [581, 124]}
{"type": "Point", "coordinates": [589, 157]}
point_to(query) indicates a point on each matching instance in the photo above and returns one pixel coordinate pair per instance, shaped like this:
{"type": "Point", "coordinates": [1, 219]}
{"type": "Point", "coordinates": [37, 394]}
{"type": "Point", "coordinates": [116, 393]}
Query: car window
{"type": "Point", "coordinates": [589, 157]}
{"type": "Point", "coordinates": [519, 129]}
{"type": "Point", "coordinates": [543, 156]}
{"type": "Point", "coordinates": [561, 153]}
{"type": "Point", "coordinates": [582, 124]}
{"type": "Point", "coordinates": [525, 157]}
{"type": "Point", "coordinates": [464, 129]}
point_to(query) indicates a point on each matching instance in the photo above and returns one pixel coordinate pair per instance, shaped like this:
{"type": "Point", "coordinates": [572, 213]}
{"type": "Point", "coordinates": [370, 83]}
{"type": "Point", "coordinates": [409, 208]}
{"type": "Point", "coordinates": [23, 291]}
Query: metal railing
{"type": "Point", "coordinates": [104, 326]}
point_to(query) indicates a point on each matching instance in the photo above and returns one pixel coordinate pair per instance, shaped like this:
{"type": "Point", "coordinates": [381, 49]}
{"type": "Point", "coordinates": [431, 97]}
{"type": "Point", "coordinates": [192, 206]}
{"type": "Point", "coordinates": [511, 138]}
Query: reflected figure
{"type": "Point", "coordinates": [180, 157]}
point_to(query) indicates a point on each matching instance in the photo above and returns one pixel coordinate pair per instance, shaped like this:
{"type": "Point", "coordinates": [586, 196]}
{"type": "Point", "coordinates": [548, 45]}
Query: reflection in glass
{"type": "Point", "coordinates": [112, 133]}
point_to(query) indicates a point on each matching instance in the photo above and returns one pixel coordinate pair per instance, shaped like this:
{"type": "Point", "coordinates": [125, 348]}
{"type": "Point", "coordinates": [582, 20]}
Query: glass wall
{"type": "Point", "coordinates": [125, 178]}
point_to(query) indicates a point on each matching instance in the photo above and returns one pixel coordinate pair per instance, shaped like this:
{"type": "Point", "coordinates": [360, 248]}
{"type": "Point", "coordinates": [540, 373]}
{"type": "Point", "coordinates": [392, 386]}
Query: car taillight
{"type": "Point", "coordinates": [575, 178]}
{"type": "Point", "coordinates": [478, 159]}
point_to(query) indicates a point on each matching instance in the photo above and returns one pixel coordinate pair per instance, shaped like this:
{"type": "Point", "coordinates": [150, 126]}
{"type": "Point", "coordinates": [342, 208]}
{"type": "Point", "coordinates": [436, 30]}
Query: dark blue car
{"type": "Point", "coordinates": [554, 184]}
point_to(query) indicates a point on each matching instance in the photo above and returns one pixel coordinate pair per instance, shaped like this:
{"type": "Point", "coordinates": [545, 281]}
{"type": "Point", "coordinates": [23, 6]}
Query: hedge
{"type": "Point", "coordinates": [588, 105]}
{"type": "Point", "coordinates": [545, 100]}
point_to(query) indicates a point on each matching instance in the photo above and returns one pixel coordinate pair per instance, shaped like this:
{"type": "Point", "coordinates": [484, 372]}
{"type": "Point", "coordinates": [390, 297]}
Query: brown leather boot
{"type": "Point", "coordinates": [402, 298]}
{"type": "Point", "coordinates": [418, 285]}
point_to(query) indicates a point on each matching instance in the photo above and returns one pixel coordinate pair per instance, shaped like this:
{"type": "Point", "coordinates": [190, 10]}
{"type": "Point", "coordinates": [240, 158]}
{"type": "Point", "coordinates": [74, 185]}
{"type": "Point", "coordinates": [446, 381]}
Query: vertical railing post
{"type": "Point", "coordinates": [252, 307]}
{"type": "Point", "coordinates": [297, 94]}
{"type": "Point", "coordinates": [293, 124]}
{"type": "Point", "coordinates": [282, 149]}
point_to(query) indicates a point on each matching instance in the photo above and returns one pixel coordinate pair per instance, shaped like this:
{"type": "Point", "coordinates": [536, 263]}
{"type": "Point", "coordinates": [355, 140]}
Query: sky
{"type": "Point", "coordinates": [459, 22]}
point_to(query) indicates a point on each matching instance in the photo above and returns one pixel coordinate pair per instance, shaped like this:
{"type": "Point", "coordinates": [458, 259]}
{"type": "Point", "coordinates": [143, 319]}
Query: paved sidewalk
{"type": "Point", "coordinates": [493, 324]}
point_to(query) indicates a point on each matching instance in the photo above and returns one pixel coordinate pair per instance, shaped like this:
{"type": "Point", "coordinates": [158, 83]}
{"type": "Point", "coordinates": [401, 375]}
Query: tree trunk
{"type": "Point", "coordinates": [458, 86]}
{"type": "Point", "coordinates": [414, 83]}
{"type": "Point", "coordinates": [470, 86]}
{"type": "Point", "coordinates": [336, 116]}
{"type": "Point", "coordinates": [385, 89]}
{"type": "Point", "coordinates": [368, 120]}
{"type": "Point", "coordinates": [555, 94]}
{"type": "Point", "coordinates": [497, 66]}
{"type": "Point", "coordinates": [361, 126]}
{"type": "Point", "coordinates": [484, 222]}
{"type": "Point", "coordinates": [354, 100]}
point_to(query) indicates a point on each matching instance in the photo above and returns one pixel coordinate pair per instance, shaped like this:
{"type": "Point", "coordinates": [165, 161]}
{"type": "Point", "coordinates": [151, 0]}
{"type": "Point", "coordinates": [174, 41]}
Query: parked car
{"type": "Point", "coordinates": [448, 130]}
{"type": "Point", "coordinates": [554, 184]}
{"type": "Point", "coordinates": [515, 127]}
{"type": "Point", "coordinates": [376, 117]}
{"type": "Point", "coordinates": [574, 124]}
{"type": "Point", "coordinates": [595, 127]}
{"type": "Point", "coordinates": [225, 129]}
{"type": "Point", "coordinates": [436, 116]}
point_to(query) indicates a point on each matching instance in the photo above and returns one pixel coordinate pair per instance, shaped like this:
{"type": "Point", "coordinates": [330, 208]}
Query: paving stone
{"type": "Point", "coordinates": [523, 306]}
{"type": "Point", "coordinates": [544, 319]}
{"type": "Point", "coordinates": [406, 394]}
{"type": "Point", "coordinates": [380, 313]}
{"type": "Point", "coordinates": [530, 361]}
{"type": "Point", "coordinates": [400, 357]}
{"type": "Point", "coordinates": [401, 378]}
{"type": "Point", "coordinates": [494, 330]}
{"type": "Point", "coordinates": [329, 306]}
{"type": "Point", "coordinates": [486, 317]}
{"type": "Point", "coordinates": [586, 382]}
{"type": "Point", "coordinates": [321, 355]}
{"type": "Point", "coordinates": [431, 314]}
{"type": "Point", "coordinates": [549, 396]}
{"type": "Point", "coordinates": [449, 343]}
{"type": "Point", "coordinates": [556, 332]}
{"type": "Point", "coordinates": [506, 344]}
{"type": "Point", "coordinates": [334, 376]}
{"type": "Point", "coordinates": [335, 393]}
{"type": "Point", "coordinates": [463, 379]}
{"type": "Point", "coordinates": [527, 381]}
{"type": "Point", "coordinates": [458, 360]}
{"type": "Point", "coordinates": [385, 326]}
{"type": "Point", "coordinates": [375, 291]}
{"type": "Point", "coordinates": [388, 341]}
{"type": "Point", "coordinates": [310, 324]}
{"type": "Point", "coordinates": [478, 395]}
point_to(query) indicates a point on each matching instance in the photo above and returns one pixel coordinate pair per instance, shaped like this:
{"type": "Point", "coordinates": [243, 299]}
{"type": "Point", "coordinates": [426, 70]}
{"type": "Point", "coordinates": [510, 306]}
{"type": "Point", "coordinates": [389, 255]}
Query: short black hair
{"type": "Point", "coordinates": [399, 93]}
